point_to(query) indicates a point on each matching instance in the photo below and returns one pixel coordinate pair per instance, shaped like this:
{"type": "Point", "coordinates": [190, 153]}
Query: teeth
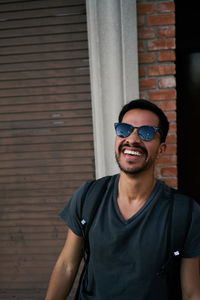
{"type": "Point", "coordinates": [132, 152]}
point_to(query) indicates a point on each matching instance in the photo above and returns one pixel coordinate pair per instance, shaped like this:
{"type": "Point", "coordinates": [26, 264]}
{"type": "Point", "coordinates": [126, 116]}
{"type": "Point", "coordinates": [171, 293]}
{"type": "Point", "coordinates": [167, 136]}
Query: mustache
{"type": "Point", "coordinates": [135, 145]}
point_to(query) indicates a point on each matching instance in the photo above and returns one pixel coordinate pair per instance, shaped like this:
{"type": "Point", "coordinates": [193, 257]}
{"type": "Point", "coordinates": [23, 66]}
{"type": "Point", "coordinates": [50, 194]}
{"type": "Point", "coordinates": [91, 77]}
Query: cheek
{"type": "Point", "coordinates": [118, 143]}
{"type": "Point", "coordinates": [154, 152]}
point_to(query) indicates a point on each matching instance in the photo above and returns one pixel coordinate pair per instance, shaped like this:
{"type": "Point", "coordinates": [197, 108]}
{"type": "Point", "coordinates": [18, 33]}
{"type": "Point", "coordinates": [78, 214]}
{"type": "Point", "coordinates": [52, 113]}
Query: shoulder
{"type": "Point", "coordinates": [187, 199]}
{"type": "Point", "coordinates": [95, 186]}
{"type": "Point", "coordinates": [177, 194]}
{"type": "Point", "coordinates": [90, 187]}
{"type": "Point", "coordinates": [103, 181]}
{"type": "Point", "coordinates": [186, 202]}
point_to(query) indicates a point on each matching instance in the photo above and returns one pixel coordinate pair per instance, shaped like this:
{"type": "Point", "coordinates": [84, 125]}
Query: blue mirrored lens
{"type": "Point", "coordinates": [146, 133]}
{"type": "Point", "coordinates": [123, 130]}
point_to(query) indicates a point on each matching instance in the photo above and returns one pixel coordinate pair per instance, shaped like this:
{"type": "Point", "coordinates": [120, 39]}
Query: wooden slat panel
{"type": "Point", "coordinates": [64, 46]}
{"type": "Point", "coordinates": [48, 139]}
{"type": "Point", "coordinates": [46, 11]}
{"type": "Point", "coordinates": [44, 107]}
{"type": "Point", "coordinates": [45, 123]}
{"type": "Point", "coordinates": [29, 66]}
{"type": "Point", "coordinates": [32, 222]}
{"type": "Point", "coordinates": [42, 39]}
{"type": "Point", "coordinates": [46, 135]}
{"type": "Point", "coordinates": [44, 163]}
{"type": "Point", "coordinates": [33, 31]}
{"type": "Point", "coordinates": [45, 155]}
{"type": "Point", "coordinates": [34, 200]}
{"type": "Point", "coordinates": [47, 170]}
{"type": "Point", "coordinates": [84, 88]}
{"type": "Point", "coordinates": [36, 4]}
{"type": "Point", "coordinates": [45, 132]}
{"type": "Point", "coordinates": [43, 56]}
{"type": "Point", "coordinates": [51, 115]}
{"type": "Point", "coordinates": [39, 75]}
{"type": "Point", "coordinates": [17, 233]}
{"type": "Point", "coordinates": [40, 22]}
{"type": "Point", "coordinates": [43, 82]}
{"type": "Point", "coordinates": [55, 98]}
{"type": "Point", "coordinates": [13, 148]}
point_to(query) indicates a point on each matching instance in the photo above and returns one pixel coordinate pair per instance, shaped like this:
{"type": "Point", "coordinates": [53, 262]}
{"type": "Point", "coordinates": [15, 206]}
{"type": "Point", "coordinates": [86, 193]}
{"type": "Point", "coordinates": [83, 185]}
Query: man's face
{"type": "Point", "coordinates": [134, 155]}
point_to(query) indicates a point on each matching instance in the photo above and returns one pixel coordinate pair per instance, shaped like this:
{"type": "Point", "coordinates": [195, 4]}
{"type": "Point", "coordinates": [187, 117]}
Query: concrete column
{"type": "Point", "coordinates": [112, 35]}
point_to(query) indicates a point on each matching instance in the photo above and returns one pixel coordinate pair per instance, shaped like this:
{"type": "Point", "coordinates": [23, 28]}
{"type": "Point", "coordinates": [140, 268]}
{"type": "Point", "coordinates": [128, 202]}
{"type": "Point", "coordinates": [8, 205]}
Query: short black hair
{"type": "Point", "coordinates": [147, 105]}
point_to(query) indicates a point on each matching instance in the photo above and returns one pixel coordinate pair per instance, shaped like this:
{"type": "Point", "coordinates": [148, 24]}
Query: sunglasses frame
{"type": "Point", "coordinates": [155, 129]}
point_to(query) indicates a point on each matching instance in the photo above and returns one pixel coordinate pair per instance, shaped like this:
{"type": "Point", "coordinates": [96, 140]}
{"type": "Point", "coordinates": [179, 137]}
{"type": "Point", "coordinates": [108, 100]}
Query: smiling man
{"type": "Point", "coordinates": [132, 150]}
{"type": "Point", "coordinates": [129, 235]}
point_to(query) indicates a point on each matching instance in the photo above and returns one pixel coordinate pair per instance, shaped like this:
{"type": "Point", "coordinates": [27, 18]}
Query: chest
{"type": "Point", "coordinates": [139, 241]}
{"type": "Point", "coordinates": [129, 209]}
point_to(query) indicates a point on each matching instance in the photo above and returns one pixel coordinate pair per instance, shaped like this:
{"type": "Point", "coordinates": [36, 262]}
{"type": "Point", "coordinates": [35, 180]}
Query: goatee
{"type": "Point", "coordinates": [134, 170]}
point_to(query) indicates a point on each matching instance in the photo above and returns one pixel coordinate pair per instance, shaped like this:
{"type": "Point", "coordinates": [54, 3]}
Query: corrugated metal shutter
{"type": "Point", "coordinates": [46, 140]}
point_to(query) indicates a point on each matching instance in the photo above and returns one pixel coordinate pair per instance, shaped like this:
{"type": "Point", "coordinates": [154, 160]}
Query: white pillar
{"type": "Point", "coordinates": [112, 35]}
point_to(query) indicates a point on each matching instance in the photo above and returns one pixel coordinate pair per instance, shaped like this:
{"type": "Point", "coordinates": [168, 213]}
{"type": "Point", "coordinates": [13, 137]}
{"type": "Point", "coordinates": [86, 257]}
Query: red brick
{"type": "Point", "coordinates": [167, 82]}
{"type": "Point", "coordinates": [166, 56]}
{"type": "Point", "coordinates": [172, 127]}
{"type": "Point", "coordinates": [159, 20]}
{"type": "Point", "coordinates": [169, 105]}
{"type": "Point", "coordinates": [145, 9]}
{"type": "Point", "coordinates": [166, 7]}
{"type": "Point", "coordinates": [146, 33]}
{"type": "Point", "coordinates": [157, 171]}
{"type": "Point", "coordinates": [163, 95]}
{"type": "Point", "coordinates": [171, 149]}
{"type": "Point", "coordinates": [142, 71]}
{"type": "Point", "coordinates": [161, 70]}
{"type": "Point", "coordinates": [171, 116]}
{"type": "Point", "coordinates": [172, 182]}
{"type": "Point", "coordinates": [140, 46]}
{"type": "Point", "coordinates": [161, 44]}
{"type": "Point", "coordinates": [171, 139]}
{"type": "Point", "coordinates": [144, 95]}
{"type": "Point", "coordinates": [147, 83]}
{"type": "Point", "coordinates": [140, 21]}
{"type": "Point", "coordinates": [170, 171]}
{"type": "Point", "coordinates": [167, 160]}
{"type": "Point", "coordinates": [146, 58]}
{"type": "Point", "coordinates": [167, 31]}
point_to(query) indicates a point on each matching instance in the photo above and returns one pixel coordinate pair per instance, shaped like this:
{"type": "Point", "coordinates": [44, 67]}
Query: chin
{"type": "Point", "coordinates": [132, 171]}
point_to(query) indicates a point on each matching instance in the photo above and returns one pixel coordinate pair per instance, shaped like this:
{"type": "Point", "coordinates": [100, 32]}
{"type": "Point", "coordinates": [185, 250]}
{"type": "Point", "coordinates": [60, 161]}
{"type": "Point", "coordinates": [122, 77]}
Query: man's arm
{"type": "Point", "coordinates": [65, 269]}
{"type": "Point", "coordinates": [190, 278]}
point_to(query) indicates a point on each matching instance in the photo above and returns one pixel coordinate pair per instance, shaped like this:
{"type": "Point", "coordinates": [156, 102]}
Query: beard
{"type": "Point", "coordinates": [134, 170]}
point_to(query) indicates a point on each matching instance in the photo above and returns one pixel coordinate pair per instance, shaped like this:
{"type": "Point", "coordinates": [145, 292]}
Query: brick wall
{"type": "Point", "coordinates": [156, 46]}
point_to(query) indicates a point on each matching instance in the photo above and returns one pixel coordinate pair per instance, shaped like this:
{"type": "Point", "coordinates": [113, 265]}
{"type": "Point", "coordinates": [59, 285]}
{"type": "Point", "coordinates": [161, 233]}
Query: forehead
{"type": "Point", "coordinates": [139, 117]}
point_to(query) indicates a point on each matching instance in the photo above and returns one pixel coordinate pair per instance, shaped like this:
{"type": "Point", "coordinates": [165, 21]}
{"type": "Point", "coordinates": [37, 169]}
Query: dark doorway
{"type": "Point", "coordinates": [188, 96]}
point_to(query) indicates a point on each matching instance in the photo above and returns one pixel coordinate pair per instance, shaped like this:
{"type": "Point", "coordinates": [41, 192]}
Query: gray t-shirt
{"type": "Point", "coordinates": [125, 255]}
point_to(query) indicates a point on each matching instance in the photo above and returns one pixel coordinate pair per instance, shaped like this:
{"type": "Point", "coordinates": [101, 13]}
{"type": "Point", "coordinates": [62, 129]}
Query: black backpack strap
{"type": "Point", "coordinates": [181, 220]}
{"type": "Point", "coordinates": [180, 216]}
{"type": "Point", "coordinates": [180, 223]}
{"type": "Point", "coordinates": [91, 200]}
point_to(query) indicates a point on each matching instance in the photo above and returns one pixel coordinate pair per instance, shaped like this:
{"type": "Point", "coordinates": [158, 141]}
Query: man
{"type": "Point", "coordinates": [128, 236]}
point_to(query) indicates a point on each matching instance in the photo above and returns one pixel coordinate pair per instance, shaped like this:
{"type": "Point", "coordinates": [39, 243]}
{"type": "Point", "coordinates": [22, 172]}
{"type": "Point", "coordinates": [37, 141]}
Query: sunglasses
{"type": "Point", "coordinates": [146, 133]}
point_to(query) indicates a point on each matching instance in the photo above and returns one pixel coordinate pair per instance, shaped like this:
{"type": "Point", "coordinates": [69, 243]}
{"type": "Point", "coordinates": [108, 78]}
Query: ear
{"type": "Point", "coordinates": [163, 147]}
{"type": "Point", "coordinates": [161, 150]}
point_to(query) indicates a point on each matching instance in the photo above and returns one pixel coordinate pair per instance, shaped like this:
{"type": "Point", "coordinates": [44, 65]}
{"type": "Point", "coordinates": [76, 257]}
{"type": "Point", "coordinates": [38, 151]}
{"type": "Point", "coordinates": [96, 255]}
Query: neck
{"type": "Point", "coordinates": [136, 187]}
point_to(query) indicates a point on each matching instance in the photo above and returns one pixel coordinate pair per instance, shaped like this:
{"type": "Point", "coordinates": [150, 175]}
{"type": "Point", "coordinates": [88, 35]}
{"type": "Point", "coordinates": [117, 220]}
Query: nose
{"type": "Point", "coordinates": [134, 137]}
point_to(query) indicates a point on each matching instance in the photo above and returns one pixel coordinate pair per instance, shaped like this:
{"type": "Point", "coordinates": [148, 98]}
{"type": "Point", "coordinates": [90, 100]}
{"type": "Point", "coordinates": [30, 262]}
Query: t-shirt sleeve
{"type": "Point", "coordinates": [71, 213]}
{"type": "Point", "coordinates": [192, 243]}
